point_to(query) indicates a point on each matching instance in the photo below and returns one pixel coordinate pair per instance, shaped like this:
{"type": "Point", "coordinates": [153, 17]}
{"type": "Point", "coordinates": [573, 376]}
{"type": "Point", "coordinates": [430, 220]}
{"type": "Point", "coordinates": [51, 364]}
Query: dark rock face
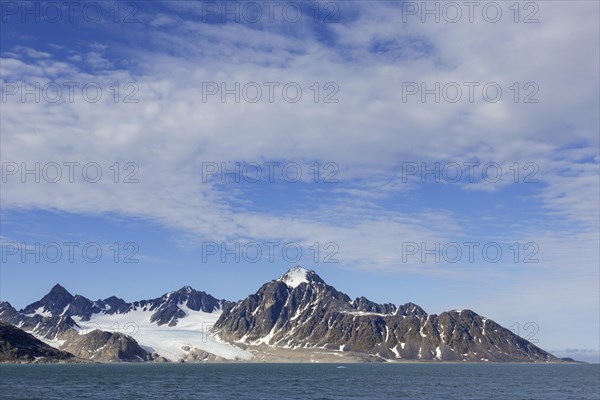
{"type": "Point", "coordinates": [18, 346]}
{"type": "Point", "coordinates": [54, 302]}
{"type": "Point", "coordinates": [309, 313]}
{"type": "Point", "coordinates": [114, 305]}
{"type": "Point", "coordinates": [411, 309]}
{"type": "Point", "coordinates": [8, 312]}
{"type": "Point", "coordinates": [364, 304]}
{"type": "Point", "coordinates": [83, 307]}
{"type": "Point", "coordinates": [58, 327]}
{"type": "Point", "coordinates": [166, 310]}
{"type": "Point", "coordinates": [107, 347]}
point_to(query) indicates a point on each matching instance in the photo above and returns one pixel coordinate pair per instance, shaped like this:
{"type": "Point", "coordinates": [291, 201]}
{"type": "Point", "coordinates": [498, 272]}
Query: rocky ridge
{"type": "Point", "coordinates": [298, 315]}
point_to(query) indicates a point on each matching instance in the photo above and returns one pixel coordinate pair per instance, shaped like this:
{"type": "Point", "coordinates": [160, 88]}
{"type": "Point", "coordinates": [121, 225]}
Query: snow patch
{"type": "Point", "coordinates": [40, 311]}
{"type": "Point", "coordinates": [295, 277]}
{"type": "Point", "coordinates": [361, 313]}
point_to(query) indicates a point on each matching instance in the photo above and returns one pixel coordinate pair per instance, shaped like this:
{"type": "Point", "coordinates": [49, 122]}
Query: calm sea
{"type": "Point", "coordinates": [300, 381]}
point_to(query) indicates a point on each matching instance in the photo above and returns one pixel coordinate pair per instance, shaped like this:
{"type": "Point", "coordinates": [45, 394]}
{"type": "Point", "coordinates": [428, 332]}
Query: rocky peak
{"type": "Point", "coordinates": [411, 309]}
{"type": "Point", "coordinates": [168, 308]}
{"type": "Point", "coordinates": [58, 293]}
{"type": "Point", "coordinates": [54, 302]}
{"type": "Point", "coordinates": [114, 304]}
{"type": "Point", "coordinates": [8, 313]}
{"type": "Point", "coordinates": [366, 305]}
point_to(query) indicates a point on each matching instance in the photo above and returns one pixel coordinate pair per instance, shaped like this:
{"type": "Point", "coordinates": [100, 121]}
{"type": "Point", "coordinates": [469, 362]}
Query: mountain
{"type": "Point", "coordinates": [44, 324]}
{"type": "Point", "coordinates": [54, 303]}
{"type": "Point", "coordinates": [59, 302]}
{"type": "Point", "coordinates": [54, 315]}
{"type": "Point", "coordinates": [300, 311]}
{"type": "Point", "coordinates": [70, 322]}
{"type": "Point", "coordinates": [18, 346]}
{"type": "Point", "coordinates": [297, 317]}
{"type": "Point", "coordinates": [166, 308]}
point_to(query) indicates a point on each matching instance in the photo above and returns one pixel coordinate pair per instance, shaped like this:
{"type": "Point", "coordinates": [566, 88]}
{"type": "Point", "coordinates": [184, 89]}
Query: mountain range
{"type": "Point", "coordinates": [297, 317]}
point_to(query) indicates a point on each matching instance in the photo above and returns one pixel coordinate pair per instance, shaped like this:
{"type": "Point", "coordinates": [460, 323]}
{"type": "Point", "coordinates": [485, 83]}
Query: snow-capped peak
{"type": "Point", "coordinates": [296, 276]}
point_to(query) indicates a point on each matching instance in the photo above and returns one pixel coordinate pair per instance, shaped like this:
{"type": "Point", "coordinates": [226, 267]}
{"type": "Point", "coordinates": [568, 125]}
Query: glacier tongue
{"type": "Point", "coordinates": [191, 332]}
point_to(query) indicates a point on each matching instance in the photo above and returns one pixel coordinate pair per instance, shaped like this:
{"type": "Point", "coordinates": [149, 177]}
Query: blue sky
{"type": "Point", "coordinates": [372, 135]}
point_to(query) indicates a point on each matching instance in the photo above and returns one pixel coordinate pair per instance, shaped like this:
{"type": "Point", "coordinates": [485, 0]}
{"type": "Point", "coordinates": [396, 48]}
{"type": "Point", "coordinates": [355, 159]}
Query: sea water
{"type": "Point", "coordinates": [300, 381]}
